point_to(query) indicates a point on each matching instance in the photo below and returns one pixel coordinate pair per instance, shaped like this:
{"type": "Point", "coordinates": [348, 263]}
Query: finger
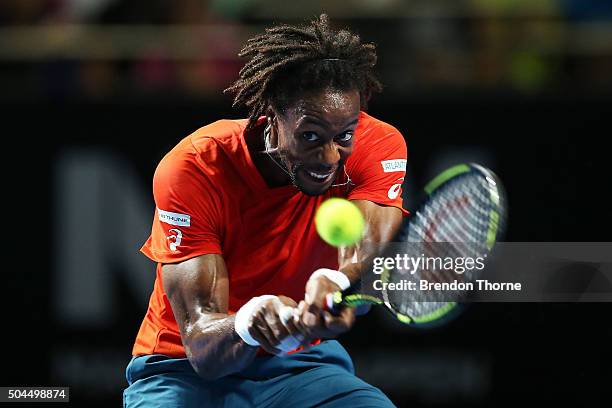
{"type": "Point", "coordinates": [297, 331]}
{"type": "Point", "coordinates": [276, 330]}
{"type": "Point", "coordinates": [264, 342]}
{"type": "Point", "coordinates": [310, 315]}
{"type": "Point", "coordinates": [334, 324]}
{"type": "Point", "coordinates": [317, 329]}
{"type": "Point", "coordinates": [262, 321]}
{"type": "Point", "coordinates": [340, 323]}
{"type": "Point", "coordinates": [310, 319]}
{"type": "Point", "coordinates": [299, 320]}
{"type": "Point", "coordinates": [287, 301]}
{"type": "Point", "coordinates": [276, 314]}
{"type": "Point", "coordinates": [301, 335]}
{"type": "Point", "coordinates": [294, 338]}
{"type": "Point", "coordinates": [313, 295]}
{"type": "Point", "coordinates": [299, 323]}
{"type": "Point", "coordinates": [288, 316]}
{"type": "Point", "coordinates": [348, 315]}
{"type": "Point", "coordinates": [292, 323]}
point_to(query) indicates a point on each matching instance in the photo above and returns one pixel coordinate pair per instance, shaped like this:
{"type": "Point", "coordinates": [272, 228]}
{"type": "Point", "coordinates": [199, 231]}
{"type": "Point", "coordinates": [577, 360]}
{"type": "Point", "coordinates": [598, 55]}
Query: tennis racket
{"type": "Point", "coordinates": [462, 216]}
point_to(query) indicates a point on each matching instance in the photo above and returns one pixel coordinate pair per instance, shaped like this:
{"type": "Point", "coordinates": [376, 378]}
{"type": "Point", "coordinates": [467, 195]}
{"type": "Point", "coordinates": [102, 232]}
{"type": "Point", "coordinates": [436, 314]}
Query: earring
{"type": "Point", "coordinates": [267, 133]}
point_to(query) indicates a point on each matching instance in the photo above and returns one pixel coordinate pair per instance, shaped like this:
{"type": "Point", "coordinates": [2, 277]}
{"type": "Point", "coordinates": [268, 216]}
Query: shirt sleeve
{"type": "Point", "coordinates": [378, 168]}
{"type": "Point", "coordinates": [187, 214]}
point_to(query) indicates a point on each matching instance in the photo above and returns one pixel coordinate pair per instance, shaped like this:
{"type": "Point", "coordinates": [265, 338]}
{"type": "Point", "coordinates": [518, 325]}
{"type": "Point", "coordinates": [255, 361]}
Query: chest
{"type": "Point", "coordinates": [270, 243]}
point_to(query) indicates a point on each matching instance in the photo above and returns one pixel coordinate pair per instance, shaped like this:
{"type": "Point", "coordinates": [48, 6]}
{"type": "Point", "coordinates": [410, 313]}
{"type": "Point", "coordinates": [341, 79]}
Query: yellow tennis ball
{"type": "Point", "coordinates": [339, 222]}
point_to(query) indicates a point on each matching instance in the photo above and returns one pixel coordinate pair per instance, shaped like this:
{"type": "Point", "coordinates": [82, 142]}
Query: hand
{"type": "Point", "coordinates": [318, 322]}
{"type": "Point", "coordinates": [275, 326]}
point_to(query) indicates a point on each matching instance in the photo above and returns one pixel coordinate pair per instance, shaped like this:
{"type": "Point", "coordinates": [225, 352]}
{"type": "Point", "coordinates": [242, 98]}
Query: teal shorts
{"type": "Point", "coordinates": [322, 376]}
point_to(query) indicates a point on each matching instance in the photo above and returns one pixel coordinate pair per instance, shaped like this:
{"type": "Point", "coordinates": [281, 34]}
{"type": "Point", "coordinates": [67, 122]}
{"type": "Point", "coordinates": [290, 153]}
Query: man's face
{"type": "Point", "coordinates": [315, 137]}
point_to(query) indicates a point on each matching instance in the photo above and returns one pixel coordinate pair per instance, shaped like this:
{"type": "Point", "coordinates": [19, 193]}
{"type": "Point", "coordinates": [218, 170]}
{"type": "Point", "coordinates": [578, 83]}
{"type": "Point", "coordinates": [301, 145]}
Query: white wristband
{"type": "Point", "coordinates": [243, 318]}
{"type": "Point", "coordinates": [337, 277]}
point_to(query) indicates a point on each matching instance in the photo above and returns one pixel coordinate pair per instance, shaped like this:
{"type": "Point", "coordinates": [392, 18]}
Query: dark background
{"type": "Point", "coordinates": [524, 89]}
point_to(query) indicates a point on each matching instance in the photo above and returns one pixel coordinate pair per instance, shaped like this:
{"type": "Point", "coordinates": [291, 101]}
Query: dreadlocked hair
{"type": "Point", "coordinates": [287, 61]}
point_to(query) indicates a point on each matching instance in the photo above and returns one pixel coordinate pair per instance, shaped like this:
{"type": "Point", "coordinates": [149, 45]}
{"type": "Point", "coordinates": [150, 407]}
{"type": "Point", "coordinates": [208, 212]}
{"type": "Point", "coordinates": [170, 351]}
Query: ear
{"type": "Point", "coordinates": [271, 115]}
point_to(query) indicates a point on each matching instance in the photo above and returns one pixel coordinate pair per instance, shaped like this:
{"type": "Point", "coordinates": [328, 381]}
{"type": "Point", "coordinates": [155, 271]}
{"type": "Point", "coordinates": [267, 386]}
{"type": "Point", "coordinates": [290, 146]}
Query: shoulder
{"type": "Point", "coordinates": [208, 143]}
{"type": "Point", "coordinates": [224, 134]}
{"type": "Point", "coordinates": [373, 133]}
{"type": "Point", "coordinates": [370, 123]}
{"type": "Point", "coordinates": [201, 153]}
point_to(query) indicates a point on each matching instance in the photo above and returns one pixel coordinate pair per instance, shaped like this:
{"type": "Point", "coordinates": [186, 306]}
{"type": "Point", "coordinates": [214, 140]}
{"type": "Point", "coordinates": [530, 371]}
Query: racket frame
{"type": "Point", "coordinates": [338, 299]}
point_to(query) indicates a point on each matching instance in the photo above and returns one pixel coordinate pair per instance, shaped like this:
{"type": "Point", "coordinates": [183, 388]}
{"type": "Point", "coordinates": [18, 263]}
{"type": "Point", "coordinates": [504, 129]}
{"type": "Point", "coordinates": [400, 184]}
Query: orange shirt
{"type": "Point", "coordinates": [211, 199]}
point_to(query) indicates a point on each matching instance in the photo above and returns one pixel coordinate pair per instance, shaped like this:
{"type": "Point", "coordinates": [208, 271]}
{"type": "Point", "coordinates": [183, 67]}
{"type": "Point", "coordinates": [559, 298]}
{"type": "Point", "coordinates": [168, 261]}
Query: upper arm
{"type": "Point", "coordinates": [188, 222]}
{"type": "Point", "coordinates": [198, 291]}
{"type": "Point", "coordinates": [377, 167]}
{"type": "Point", "coordinates": [381, 221]}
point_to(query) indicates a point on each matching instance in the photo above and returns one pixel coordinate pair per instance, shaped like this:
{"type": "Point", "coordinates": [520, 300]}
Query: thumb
{"type": "Point", "coordinates": [287, 301]}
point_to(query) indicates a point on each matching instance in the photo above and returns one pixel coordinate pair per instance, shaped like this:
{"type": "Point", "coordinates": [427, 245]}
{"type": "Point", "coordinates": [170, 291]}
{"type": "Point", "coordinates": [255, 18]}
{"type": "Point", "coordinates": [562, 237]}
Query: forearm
{"type": "Point", "coordinates": [214, 349]}
{"type": "Point", "coordinates": [352, 271]}
{"type": "Point", "coordinates": [353, 260]}
{"type": "Point", "coordinates": [382, 224]}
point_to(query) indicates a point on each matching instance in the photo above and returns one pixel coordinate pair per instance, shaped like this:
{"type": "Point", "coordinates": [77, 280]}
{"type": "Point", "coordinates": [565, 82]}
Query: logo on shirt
{"type": "Point", "coordinates": [394, 191]}
{"type": "Point", "coordinates": [390, 166]}
{"type": "Point", "coordinates": [175, 238]}
{"type": "Point", "coordinates": [172, 218]}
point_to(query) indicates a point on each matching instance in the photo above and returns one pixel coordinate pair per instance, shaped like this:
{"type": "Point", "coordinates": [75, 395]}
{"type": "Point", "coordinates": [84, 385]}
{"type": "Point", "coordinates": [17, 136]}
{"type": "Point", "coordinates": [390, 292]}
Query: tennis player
{"type": "Point", "coordinates": [237, 308]}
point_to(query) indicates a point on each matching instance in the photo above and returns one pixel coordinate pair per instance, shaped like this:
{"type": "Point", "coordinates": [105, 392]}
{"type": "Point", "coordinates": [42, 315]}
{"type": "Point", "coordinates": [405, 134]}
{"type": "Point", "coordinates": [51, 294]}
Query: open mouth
{"type": "Point", "coordinates": [319, 177]}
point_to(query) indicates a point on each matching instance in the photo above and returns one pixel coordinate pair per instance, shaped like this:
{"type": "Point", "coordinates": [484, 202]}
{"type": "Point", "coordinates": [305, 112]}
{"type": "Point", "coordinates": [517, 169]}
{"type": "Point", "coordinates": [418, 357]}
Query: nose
{"type": "Point", "coordinates": [329, 155]}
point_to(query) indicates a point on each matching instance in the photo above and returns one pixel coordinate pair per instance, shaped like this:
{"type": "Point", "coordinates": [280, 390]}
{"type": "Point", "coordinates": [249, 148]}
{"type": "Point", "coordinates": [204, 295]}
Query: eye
{"type": "Point", "coordinates": [345, 137]}
{"type": "Point", "coordinates": [310, 136]}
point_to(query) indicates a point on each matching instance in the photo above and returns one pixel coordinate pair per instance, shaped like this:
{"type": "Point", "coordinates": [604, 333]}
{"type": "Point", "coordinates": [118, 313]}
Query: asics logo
{"type": "Point", "coordinates": [394, 191]}
{"type": "Point", "coordinates": [175, 239]}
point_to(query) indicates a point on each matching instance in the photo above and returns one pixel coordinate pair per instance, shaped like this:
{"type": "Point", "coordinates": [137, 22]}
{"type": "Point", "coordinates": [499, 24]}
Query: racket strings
{"type": "Point", "coordinates": [464, 227]}
{"type": "Point", "coordinates": [470, 214]}
{"type": "Point", "coordinates": [443, 209]}
{"type": "Point", "coordinates": [453, 224]}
